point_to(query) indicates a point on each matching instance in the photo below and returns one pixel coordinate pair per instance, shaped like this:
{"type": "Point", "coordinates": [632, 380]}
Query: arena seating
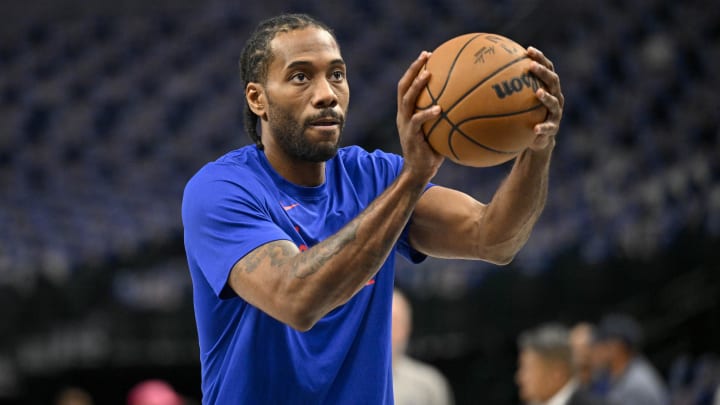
{"type": "Point", "coordinates": [104, 118]}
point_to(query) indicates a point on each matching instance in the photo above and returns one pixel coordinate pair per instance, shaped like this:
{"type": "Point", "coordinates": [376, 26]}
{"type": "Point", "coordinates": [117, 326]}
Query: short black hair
{"type": "Point", "coordinates": [256, 56]}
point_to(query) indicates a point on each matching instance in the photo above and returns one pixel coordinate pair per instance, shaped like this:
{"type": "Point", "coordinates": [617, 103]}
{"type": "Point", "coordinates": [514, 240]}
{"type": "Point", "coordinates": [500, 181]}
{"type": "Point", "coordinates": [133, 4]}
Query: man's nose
{"type": "Point", "coordinates": [324, 95]}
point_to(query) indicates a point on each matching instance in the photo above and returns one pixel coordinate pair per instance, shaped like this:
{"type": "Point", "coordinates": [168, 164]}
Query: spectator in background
{"type": "Point", "coordinates": [633, 380]}
{"type": "Point", "coordinates": [545, 372]}
{"type": "Point", "coordinates": [153, 392]}
{"type": "Point", "coordinates": [581, 346]}
{"type": "Point", "coordinates": [588, 370]}
{"type": "Point", "coordinates": [413, 382]}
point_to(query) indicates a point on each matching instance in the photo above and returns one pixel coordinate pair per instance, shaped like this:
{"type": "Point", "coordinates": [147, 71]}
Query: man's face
{"type": "Point", "coordinates": [307, 94]}
{"type": "Point", "coordinates": [537, 378]}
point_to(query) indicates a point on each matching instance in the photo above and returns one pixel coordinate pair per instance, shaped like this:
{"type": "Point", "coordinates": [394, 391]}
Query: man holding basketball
{"type": "Point", "coordinates": [290, 241]}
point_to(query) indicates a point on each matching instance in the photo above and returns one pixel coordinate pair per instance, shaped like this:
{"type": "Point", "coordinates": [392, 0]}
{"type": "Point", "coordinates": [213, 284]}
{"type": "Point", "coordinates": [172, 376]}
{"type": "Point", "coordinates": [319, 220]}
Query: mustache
{"type": "Point", "coordinates": [326, 113]}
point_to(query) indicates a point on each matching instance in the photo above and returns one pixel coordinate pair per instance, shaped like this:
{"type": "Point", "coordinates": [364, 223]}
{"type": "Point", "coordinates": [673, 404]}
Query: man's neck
{"type": "Point", "coordinates": [300, 172]}
{"type": "Point", "coordinates": [618, 366]}
{"type": "Point", "coordinates": [562, 396]}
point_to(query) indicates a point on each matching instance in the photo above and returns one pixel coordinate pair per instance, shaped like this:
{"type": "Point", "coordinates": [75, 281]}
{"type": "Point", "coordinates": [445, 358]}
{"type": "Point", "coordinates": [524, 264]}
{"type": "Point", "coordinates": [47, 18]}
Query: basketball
{"type": "Point", "coordinates": [487, 95]}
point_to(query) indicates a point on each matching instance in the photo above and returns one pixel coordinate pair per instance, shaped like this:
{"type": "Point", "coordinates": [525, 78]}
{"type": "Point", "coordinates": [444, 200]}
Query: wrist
{"type": "Point", "coordinates": [543, 152]}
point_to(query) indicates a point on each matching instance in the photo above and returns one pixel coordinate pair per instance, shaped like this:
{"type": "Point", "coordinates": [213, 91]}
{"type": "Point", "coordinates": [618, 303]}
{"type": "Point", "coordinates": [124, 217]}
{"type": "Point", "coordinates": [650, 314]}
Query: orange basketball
{"type": "Point", "coordinates": [487, 95]}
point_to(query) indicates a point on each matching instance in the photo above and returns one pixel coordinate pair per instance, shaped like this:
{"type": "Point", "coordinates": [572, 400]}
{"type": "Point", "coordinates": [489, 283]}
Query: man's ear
{"type": "Point", "coordinates": [256, 100]}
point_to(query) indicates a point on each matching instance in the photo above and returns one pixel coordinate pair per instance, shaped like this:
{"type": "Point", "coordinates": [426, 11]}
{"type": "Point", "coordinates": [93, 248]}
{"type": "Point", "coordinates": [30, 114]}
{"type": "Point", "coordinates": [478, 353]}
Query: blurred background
{"type": "Point", "coordinates": [107, 108]}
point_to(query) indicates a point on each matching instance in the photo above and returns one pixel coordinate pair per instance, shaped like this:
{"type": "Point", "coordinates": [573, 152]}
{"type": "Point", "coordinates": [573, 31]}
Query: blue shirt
{"type": "Point", "coordinates": [640, 384]}
{"type": "Point", "coordinates": [238, 203]}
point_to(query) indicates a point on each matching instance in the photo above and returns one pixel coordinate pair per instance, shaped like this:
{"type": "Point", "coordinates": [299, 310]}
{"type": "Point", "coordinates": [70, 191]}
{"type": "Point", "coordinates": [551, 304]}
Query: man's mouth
{"type": "Point", "coordinates": [325, 122]}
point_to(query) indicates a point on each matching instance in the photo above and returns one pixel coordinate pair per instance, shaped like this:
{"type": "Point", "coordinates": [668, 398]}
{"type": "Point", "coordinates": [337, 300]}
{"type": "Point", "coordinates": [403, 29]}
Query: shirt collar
{"type": "Point", "coordinates": [563, 396]}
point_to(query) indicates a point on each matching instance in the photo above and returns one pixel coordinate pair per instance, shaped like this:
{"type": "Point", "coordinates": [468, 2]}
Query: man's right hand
{"type": "Point", "coordinates": [420, 159]}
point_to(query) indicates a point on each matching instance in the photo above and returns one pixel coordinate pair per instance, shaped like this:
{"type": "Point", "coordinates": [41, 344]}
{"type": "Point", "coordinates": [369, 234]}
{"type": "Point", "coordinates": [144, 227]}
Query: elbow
{"type": "Point", "coordinates": [501, 254]}
{"type": "Point", "coordinates": [503, 260]}
{"type": "Point", "coordinates": [302, 325]}
{"type": "Point", "coordinates": [302, 322]}
{"type": "Point", "coordinates": [302, 316]}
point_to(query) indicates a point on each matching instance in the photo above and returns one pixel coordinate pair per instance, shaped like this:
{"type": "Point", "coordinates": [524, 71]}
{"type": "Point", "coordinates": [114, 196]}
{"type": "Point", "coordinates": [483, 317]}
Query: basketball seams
{"type": "Point", "coordinates": [433, 99]}
{"type": "Point", "coordinates": [456, 128]}
{"type": "Point", "coordinates": [500, 115]}
{"type": "Point", "coordinates": [485, 79]}
{"type": "Point", "coordinates": [444, 114]}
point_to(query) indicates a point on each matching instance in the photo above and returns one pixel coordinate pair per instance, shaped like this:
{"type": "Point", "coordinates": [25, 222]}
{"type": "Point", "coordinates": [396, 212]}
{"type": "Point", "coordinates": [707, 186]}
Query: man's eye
{"type": "Point", "coordinates": [299, 77]}
{"type": "Point", "coordinates": [338, 75]}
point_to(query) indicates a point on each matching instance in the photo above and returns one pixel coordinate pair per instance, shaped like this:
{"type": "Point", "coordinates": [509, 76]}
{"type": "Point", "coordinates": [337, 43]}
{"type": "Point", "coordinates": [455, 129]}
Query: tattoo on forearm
{"type": "Point", "coordinates": [276, 252]}
{"type": "Point", "coordinates": [325, 251]}
{"type": "Point", "coordinates": [311, 261]}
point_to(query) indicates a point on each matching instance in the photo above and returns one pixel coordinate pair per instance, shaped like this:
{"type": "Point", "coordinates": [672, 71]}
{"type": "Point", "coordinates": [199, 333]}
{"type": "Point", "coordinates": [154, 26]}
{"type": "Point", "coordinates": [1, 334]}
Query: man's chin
{"type": "Point", "coordinates": [323, 154]}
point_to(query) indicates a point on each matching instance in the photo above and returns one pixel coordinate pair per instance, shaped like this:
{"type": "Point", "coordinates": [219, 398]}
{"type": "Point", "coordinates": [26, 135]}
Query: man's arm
{"type": "Point", "coordinates": [448, 223]}
{"type": "Point", "coordinates": [299, 288]}
{"type": "Point", "coordinates": [451, 224]}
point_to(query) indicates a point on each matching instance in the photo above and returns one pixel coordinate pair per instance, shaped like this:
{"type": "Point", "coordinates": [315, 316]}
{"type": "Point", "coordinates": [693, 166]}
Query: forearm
{"type": "Point", "coordinates": [345, 262]}
{"type": "Point", "coordinates": [298, 288]}
{"type": "Point", "coordinates": [518, 203]}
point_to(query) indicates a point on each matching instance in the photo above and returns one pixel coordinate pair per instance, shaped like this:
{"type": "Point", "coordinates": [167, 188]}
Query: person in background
{"type": "Point", "coordinates": [414, 382]}
{"type": "Point", "coordinates": [581, 341]}
{"type": "Point", "coordinates": [588, 369]}
{"type": "Point", "coordinates": [545, 372]}
{"type": "Point", "coordinates": [633, 380]}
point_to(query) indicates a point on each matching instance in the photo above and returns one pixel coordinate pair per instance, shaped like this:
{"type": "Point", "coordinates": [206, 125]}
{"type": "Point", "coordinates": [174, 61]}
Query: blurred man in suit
{"type": "Point", "coordinates": [545, 374]}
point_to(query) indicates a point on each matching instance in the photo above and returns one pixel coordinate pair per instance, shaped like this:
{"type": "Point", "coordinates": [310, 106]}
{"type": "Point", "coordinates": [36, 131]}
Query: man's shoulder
{"type": "Point", "coordinates": [238, 171]}
{"type": "Point", "coordinates": [420, 371]}
{"type": "Point", "coordinates": [234, 164]}
{"type": "Point", "coordinates": [355, 152]}
{"type": "Point", "coordinates": [359, 162]}
{"type": "Point", "coordinates": [580, 397]}
{"type": "Point", "coordinates": [641, 371]}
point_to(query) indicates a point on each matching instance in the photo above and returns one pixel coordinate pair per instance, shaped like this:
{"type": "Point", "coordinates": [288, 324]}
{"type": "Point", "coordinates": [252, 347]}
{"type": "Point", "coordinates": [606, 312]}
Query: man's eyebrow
{"type": "Point", "coordinates": [305, 63]}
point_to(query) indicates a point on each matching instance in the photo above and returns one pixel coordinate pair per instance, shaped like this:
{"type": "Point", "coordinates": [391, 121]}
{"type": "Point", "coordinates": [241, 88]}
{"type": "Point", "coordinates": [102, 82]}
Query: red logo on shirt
{"type": "Point", "coordinates": [291, 206]}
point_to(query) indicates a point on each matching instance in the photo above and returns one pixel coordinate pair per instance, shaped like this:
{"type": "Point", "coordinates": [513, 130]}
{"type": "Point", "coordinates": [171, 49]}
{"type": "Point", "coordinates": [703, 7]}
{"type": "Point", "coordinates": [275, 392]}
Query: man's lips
{"type": "Point", "coordinates": [325, 122]}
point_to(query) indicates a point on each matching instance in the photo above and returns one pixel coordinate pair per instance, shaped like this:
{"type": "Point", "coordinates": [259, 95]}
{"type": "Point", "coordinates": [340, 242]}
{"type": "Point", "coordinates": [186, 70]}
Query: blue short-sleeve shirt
{"type": "Point", "coordinates": [238, 203]}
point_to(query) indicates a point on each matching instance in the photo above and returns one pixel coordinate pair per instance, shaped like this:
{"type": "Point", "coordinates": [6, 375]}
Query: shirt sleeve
{"type": "Point", "coordinates": [223, 221]}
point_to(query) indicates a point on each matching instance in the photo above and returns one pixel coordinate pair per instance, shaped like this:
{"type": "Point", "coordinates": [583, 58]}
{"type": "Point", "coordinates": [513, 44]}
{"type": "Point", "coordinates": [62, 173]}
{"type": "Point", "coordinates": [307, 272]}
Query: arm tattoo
{"type": "Point", "coordinates": [326, 251]}
{"type": "Point", "coordinates": [277, 252]}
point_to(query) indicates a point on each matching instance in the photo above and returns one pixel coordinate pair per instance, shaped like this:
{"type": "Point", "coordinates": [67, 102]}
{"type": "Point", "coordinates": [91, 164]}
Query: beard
{"type": "Point", "coordinates": [290, 134]}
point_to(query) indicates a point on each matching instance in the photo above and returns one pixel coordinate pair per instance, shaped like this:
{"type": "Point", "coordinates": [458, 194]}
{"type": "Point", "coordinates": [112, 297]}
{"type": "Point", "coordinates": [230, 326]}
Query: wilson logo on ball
{"type": "Point", "coordinates": [515, 85]}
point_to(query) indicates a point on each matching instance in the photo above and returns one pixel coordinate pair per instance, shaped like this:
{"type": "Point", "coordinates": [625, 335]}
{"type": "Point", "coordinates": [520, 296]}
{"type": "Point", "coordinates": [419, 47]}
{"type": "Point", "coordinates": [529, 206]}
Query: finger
{"type": "Point", "coordinates": [410, 98]}
{"type": "Point", "coordinates": [550, 79]}
{"type": "Point", "coordinates": [422, 116]}
{"type": "Point", "coordinates": [407, 79]}
{"type": "Point", "coordinates": [550, 102]}
{"type": "Point", "coordinates": [547, 128]}
{"type": "Point", "coordinates": [537, 55]}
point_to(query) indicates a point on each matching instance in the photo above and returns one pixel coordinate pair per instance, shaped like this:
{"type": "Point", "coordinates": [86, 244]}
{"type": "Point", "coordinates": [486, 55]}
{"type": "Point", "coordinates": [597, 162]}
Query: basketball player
{"type": "Point", "coordinates": [291, 241]}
